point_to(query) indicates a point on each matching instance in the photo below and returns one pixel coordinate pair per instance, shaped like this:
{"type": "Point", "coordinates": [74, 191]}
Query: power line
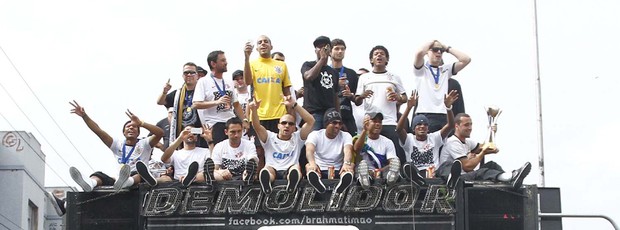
{"type": "Point", "coordinates": [44, 108]}
{"type": "Point", "coordinates": [32, 148]}
{"type": "Point", "coordinates": [10, 221]}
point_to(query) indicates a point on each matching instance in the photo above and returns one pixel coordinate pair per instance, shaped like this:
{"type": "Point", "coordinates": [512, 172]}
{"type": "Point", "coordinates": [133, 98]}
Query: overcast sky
{"type": "Point", "coordinates": [116, 55]}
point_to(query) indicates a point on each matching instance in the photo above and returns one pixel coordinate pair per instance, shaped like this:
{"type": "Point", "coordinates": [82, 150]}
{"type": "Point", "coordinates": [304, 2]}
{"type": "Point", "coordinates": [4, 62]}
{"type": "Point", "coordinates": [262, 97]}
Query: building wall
{"type": "Point", "coordinates": [22, 175]}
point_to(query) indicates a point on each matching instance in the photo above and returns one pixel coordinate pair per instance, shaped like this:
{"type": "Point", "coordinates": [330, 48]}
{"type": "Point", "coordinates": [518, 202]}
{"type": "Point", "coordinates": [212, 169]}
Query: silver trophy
{"type": "Point", "coordinates": [492, 113]}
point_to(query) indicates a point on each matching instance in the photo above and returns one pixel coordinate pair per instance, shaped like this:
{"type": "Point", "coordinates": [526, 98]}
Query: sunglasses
{"type": "Point", "coordinates": [290, 123]}
{"type": "Point", "coordinates": [189, 72]}
{"type": "Point", "coordinates": [438, 49]}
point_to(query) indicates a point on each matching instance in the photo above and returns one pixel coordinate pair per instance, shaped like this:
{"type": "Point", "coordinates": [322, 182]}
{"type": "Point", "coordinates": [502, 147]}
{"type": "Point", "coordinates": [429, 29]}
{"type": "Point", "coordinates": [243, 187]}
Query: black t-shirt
{"type": "Point", "coordinates": [345, 103]}
{"type": "Point", "coordinates": [164, 125]}
{"type": "Point", "coordinates": [319, 94]}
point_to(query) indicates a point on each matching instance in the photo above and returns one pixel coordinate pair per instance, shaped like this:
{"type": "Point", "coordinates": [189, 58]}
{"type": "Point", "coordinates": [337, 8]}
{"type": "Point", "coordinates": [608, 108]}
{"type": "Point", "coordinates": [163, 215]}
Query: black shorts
{"type": "Point", "coordinates": [107, 180]}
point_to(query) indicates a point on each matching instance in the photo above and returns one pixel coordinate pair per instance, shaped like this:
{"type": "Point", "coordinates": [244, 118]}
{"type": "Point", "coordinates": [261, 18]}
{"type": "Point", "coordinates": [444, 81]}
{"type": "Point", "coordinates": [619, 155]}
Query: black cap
{"type": "Point", "coordinates": [200, 70]}
{"type": "Point", "coordinates": [237, 73]}
{"type": "Point", "coordinates": [321, 41]}
{"type": "Point", "coordinates": [374, 115]}
{"type": "Point", "coordinates": [331, 114]}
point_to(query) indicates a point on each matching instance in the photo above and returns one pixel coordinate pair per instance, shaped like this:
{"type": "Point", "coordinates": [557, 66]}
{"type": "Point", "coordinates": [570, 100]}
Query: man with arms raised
{"type": "Point", "coordinates": [376, 151]}
{"type": "Point", "coordinates": [422, 149]}
{"type": "Point", "coordinates": [330, 147]}
{"type": "Point", "coordinates": [432, 80]}
{"type": "Point", "coordinates": [282, 149]}
{"type": "Point", "coordinates": [127, 150]}
{"type": "Point", "coordinates": [181, 101]}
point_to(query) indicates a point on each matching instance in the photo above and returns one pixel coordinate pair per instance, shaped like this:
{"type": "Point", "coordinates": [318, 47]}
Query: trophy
{"type": "Point", "coordinates": [492, 113]}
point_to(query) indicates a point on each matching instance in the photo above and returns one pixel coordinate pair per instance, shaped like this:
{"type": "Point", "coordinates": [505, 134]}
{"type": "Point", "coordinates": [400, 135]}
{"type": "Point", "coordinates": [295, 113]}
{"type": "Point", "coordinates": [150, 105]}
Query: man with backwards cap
{"type": "Point", "coordinates": [377, 152]}
{"type": "Point", "coordinates": [422, 148]}
{"type": "Point", "coordinates": [320, 90]}
{"type": "Point", "coordinates": [330, 147]}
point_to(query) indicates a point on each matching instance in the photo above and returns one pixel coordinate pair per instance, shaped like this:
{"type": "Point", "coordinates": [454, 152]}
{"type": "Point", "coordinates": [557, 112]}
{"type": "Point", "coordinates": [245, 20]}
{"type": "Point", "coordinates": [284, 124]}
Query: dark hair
{"type": "Point", "coordinates": [277, 53]}
{"type": "Point", "coordinates": [379, 47]}
{"type": "Point", "coordinates": [190, 64]}
{"type": "Point", "coordinates": [363, 69]}
{"type": "Point", "coordinates": [234, 121]}
{"type": "Point", "coordinates": [129, 121]}
{"type": "Point", "coordinates": [213, 57]}
{"type": "Point", "coordinates": [457, 118]}
{"type": "Point", "coordinates": [338, 41]}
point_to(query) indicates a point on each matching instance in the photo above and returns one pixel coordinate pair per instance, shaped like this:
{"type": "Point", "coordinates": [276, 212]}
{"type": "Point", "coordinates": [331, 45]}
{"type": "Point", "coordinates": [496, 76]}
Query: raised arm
{"type": "Point", "coordinates": [174, 145]}
{"type": "Point", "coordinates": [157, 132]}
{"type": "Point", "coordinates": [247, 70]}
{"type": "Point", "coordinates": [79, 110]}
{"type": "Point", "coordinates": [463, 59]}
{"type": "Point", "coordinates": [449, 99]}
{"type": "Point", "coordinates": [419, 56]}
{"type": "Point", "coordinates": [402, 122]}
{"type": "Point", "coordinates": [359, 143]}
{"type": "Point", "coordinates": [307, 117]}
{"type": "Point", "coordinates": [313, 72]}
{"type": "Point", "coordinates": [261, 132]}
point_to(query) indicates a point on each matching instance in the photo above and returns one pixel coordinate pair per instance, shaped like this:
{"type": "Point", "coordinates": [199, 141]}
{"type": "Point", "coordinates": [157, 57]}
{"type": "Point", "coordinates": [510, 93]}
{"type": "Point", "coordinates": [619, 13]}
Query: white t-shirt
{"type": "Point", "coordinates": [455, 149]}
{"type": "Point", "coordinates": [281, 154]}
{"type": "Point", "coordinates": [207, 90]}
{"type": "Point", "coordinates": [378, 152]}
{"type": "Point", "coordinates": [425, 153]}
{"type": "Point", "coordinates": [181, 159]}
{"type": "Point", "coordinates": [244, 100]}
{"type": "Point", "coordinates": [233, 159]}
{"type": "Point", "coordinates": [380, 84]}
{"type": "Point", "coordinates": [141, 151]}
{"type": "Point", "coordinates": [329, 152]}
{"type": "Point", "coordinates": [432, 96]}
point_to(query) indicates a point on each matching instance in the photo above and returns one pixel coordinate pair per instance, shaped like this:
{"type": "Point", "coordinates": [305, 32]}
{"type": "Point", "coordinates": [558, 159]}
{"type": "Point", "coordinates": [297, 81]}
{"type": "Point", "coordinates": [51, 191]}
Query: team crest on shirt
{"type": "Point", "coordinates": [326, 80]}
{"type": "Point", "coordinates": [278, 69]}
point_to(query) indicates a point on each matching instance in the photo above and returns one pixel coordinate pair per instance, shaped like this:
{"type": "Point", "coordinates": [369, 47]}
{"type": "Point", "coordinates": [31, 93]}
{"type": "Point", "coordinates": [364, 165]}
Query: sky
{"type": "Point", "coordinates": [115, 55]}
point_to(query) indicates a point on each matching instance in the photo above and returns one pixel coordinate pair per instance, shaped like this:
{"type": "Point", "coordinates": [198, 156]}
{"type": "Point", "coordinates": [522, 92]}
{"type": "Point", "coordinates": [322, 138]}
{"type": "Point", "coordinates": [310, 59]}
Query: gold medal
{"type": "Point", "coordinates": [189, 109]}
{"type": "Point", "coordinates": [436, 86]}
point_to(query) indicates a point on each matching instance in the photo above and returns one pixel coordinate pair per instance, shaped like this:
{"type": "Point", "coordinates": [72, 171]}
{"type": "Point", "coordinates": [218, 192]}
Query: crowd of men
{"type": "Point", "coordinates": [251, 128]}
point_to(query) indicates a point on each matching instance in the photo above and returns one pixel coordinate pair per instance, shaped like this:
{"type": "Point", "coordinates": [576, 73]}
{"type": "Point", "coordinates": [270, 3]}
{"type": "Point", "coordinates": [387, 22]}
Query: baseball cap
{"type": "Point", "coordinates": [331, 114]}
{"type": "Point", "coordinates": [420, 118]}
{"type": "Point", "coordinates": [200, 70]}
{"type": "Point", "coordinates": [321, 41]}
{"type": "Point", "coordinates": [374, 115]}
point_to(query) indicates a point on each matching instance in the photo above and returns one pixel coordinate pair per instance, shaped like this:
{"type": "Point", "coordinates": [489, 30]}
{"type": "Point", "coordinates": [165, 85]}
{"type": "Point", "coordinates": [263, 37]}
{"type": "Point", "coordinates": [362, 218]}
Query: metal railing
{"type": "Point", "coordinates": [579, 216]}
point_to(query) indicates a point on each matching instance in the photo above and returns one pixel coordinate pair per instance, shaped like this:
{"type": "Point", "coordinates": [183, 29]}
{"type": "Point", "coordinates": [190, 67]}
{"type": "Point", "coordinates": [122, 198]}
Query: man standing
{"type": "Point", "coordinates": [235, 158]}
{"type": "Point", "coordinates": [382, 91]}
{"type": "Point", "coordinates": [347, 82]}
{"type": "Point", "coordinates": [459, 148]}
{"type": "Point", "coordinates": [422, 149]}
{"type": "Point", "coordinates": [321, 92]}
{"type": "Point", "coordinates": [181, 101]}
{"type": "Point", "coordinates": [215, 98]}
{"type": "Point", "coordinates": [127, 150]}
{"type": "Point", "coordinates": [432, 80]}
{"type": "Point", "coordinates": [282, 149]}
{"type": "Point", "coordinates": [330, 147]}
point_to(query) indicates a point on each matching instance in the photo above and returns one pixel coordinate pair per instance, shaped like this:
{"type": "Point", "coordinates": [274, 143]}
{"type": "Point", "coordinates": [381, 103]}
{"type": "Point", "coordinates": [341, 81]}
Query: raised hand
{"type": "Point", "coordinates": [413, 99]}
{"type": "Point", "coordinates": [248, 49]}
{"type": "Point", "coordinates": [185, 133]}
{"type": "Point", "coordinates": [207, 132]}
{"type": "Point", "coordinates": [342, 81]}
{"type": "Point", "coordinates": [254, 104]}
{"type": "Point", "coordinates": [347, 91]}
{"type": "Point", "coordinates": [77, 109]}
{"type": "Point", "coordinates": [366, 123]}
{"type": "Point", "coordinates": [135, 121]}
{"type": "Point", "coordinates": [450, 98]}
{"type": "Point", "coordinates": [287, 101]}
{"type": "Point", "coordinates": [167, 87]}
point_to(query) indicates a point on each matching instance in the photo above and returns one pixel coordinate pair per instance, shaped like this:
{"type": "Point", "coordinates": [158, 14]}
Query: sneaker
{"type": "Point", "coordinates": [59, 205]}
{"type": "Point", "coordinates": [346, 179]}
{"type": "Point", "coordinates": [191, 174]}
{"type": "Point", "coordinates": [293, 180]}
{"type": "Point", "coordinates": [455, 173]}
{"type": "Point", "coordinates": [123, 175]}
{"type": "Point", "coordinates": [392, 174]}
{"type": "Point", "coordinates": [265, 181]}
{"type": "Point", "coordinates": [520, 174]}
{"type": "Point", "coordinates": [77, 177]}
{"type": "Point", "coordinates": [250, 170]}
{"type": "Point", "coordinates": [145, 173]}
{"type": "Point", "coordinates": [315, 180]}
{"type": "Point", "coordinates": [363, 177]}
{"type": "Point", "coordinates": [413, 175]}
{"type": "Point", "coordinates": [208, 169]}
